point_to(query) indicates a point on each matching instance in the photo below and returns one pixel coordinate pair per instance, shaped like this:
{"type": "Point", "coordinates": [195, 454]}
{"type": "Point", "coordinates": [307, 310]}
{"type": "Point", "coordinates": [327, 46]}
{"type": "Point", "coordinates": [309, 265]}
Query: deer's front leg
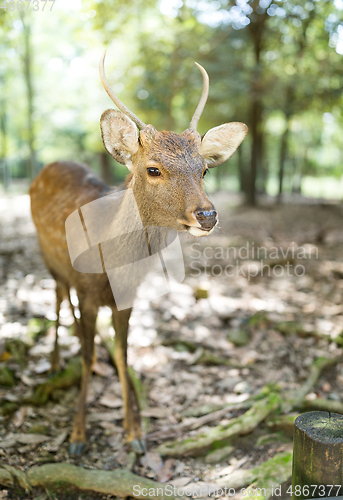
{"type": "Point", "coordinates": [87, 333]}
{"type": "Point", "coordinates": [131, 414]}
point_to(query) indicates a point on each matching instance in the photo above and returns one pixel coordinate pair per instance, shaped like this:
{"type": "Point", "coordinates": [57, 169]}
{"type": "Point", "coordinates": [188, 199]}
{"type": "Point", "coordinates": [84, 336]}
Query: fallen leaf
{"type": "Point", "coordinates": [98, 416]}
{"type": "Point", "coordinates": [155, 412]}
{"type": "Point", "coordinates": [180, 467]}
{"type": "Point", "coordinates": [180, 481]}
{"type": "Point", "coordinates": [11, 397]}
{"type": "Point", "coordinates": [5, 356]}
{"type": "Point", "coordinates": [19, 416]}
{"type": "Point", "coordinates": [111, 401]}
{"type": "Point", "coordinates": [326, 387]}
{"type": "Point", "coordinates": [110, 426]}
{"type": "Point", "coordinates": [167, 471]}
{"type": "Point", "coordinates": [115, 442]}
{"type": "Point", "coordinates": [31, 438]}
{"type": "Point", "coordinates": [42, 366]}
{"type": "Point", "coordinates": [27, 380]}
{"type": "Point", "coordinates": [201, 489]}
{"type": "Point", "coordinates": [103, 369]}
{"type": "Point", "coordinates": [152, 460]}
{"type": "Point", "coordinates": [58, 441]}
{"type": "Point", "coordinates": [234, 465]}
{"type": "Point", "coordinates": [8, 443]}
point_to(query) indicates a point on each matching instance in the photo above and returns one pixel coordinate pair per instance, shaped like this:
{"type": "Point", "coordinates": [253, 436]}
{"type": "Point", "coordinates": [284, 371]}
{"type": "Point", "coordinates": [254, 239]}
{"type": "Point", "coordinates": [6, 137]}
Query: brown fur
{"type": "Point", "coordinates": [170, 200]}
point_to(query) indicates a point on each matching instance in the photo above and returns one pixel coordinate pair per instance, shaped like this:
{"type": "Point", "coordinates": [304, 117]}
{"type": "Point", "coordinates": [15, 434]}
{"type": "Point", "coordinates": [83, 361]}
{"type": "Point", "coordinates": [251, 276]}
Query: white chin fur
{"type": "Point", "coordinates": [199, 232]}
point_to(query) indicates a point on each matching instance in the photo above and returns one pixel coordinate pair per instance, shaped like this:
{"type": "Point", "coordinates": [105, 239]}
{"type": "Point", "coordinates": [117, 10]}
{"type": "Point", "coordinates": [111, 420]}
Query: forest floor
{"type": "Point", "coordinates": [266, 315]}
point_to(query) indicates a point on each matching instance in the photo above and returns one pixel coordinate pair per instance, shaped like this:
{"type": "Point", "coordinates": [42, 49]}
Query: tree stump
{"type": "Point", "coordinates": [318, 455]}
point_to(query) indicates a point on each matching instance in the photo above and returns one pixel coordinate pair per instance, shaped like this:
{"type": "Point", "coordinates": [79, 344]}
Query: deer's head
{"type": "Point", "coordinates": [168, 169]}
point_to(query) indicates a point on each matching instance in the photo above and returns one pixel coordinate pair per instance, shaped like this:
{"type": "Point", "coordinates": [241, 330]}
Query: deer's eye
{"type": "Point", "coordinates": [153, 172]}
{"type": "Point", "coordinates": [205, 172]}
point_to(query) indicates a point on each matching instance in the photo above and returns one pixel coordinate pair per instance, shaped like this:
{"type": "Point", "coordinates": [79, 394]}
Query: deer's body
{"type": "Point", "coordinates": [167, 171]}
{"type": "Point", "coordinates": [60, 189]}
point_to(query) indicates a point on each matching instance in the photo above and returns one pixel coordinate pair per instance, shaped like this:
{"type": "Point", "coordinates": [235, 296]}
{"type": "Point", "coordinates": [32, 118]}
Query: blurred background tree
{"type": "Point", "coordinates": [274, 64]}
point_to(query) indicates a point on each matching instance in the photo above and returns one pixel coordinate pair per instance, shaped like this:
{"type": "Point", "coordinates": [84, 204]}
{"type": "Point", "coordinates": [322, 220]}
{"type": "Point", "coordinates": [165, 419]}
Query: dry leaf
{"type": "Point", "coordinates": [115, 442]}
{"type": "Point", "coordinates": [152, 460]}
{"type": "Point", "coordinates": [27, 380]}
{"type": "Point", "coordinates": [98, 416]}
{"type": "Point", "coordinates": [103, 369]}
{"type": "Point", "coordinates": [111, 401]}
{"type": "Point", "coordinates": [42, 366]}
{"type": "Point", "coordinates": [19, 416]}
{"type": "Point", "coordinates": [110, 426]}
{"type": "Point", "coordinates": [5, 356]}
{"type": "Point", "coordinates": [8, 443]}
{"type": "Point", "coordinates": [180, 481]}
{"type": "Point", "coordinates": [167, 471]}
{"type": "Point", "coordinates": [31, 438]}
{"type": "Point", "coordinates": [155, 412]}
{"type": "Point", "coordinates": [58, 441]}
{"type": "Point", "coordinates": [201, 489]}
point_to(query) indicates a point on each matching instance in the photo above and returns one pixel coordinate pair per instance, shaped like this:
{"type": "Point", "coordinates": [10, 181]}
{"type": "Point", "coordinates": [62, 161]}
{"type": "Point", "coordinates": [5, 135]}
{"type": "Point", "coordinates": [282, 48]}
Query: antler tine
{"type": "Point", "coordinates": [203, 99]}
{"type": "Point", "coordinates": [141, 125]}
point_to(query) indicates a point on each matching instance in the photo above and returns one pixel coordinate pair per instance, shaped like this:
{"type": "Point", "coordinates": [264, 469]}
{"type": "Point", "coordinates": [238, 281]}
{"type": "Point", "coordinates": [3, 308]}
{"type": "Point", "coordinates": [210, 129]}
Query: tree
{"type": "Point", "coordinates": [27, 62]}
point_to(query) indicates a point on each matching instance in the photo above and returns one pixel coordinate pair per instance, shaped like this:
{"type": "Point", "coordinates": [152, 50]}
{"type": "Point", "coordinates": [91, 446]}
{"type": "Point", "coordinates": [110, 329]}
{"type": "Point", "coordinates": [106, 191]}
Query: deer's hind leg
{"type": "Point", "coordinates": [131, 411]}
{"type": "Point", "coordinates": [86, 324]}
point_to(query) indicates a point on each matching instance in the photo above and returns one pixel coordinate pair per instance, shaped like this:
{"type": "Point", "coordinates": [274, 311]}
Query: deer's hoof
{"type": "Point", "coordinates": [76, 448]}
{"type": "Point", "coordinates": [138, 446]}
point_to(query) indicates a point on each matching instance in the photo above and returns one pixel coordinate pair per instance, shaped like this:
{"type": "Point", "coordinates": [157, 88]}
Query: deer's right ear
{"type": "Point", "coordinates": [119, 134]}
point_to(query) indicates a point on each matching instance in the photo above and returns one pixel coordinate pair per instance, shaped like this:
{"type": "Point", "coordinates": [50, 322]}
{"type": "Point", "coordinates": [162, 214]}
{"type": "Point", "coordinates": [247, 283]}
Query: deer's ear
{"type": "Point", "coordinates": [219, 143]}
{"type": "Point", "coordinates": [119, 134]}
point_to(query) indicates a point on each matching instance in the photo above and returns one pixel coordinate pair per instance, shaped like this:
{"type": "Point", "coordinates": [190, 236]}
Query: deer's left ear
{"type": "Point", "coordinates": [219, 143]}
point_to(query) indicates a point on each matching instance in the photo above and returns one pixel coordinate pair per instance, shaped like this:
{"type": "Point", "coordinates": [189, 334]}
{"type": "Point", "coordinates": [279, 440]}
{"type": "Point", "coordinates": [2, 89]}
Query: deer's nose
{"type": "Point", "coordinates": [206, 218]}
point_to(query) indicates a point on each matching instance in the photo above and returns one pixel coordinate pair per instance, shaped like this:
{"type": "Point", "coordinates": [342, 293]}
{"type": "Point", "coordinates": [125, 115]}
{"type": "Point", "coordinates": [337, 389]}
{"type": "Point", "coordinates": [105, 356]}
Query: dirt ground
{"type": "Point", "coordinates": [264, 292]}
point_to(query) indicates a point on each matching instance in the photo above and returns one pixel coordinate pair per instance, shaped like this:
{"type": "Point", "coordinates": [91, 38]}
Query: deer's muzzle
{"type": "Point", "coordinates": [206, 218]}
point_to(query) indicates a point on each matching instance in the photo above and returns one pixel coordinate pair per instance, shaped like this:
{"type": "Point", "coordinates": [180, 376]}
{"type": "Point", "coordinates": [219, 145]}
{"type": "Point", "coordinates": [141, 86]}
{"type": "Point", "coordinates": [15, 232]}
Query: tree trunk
{"type": "Point", "coordinates": [3, 128]}
{"type": "Point", "coordinates": [105, 167]}
{"type": "Point", "coordinates": [317, 458]}
{"type": "Point", "coordinates": [262, 167]}
{"type": "Point", "coordinates": [256, 118]}
{"type": "Point", "coordinates": [27, 64]}
{"type": "Point", "coordinates": [242, 171]}
{"type": "Point", "coordinates": [282, 157]}
{"type": "Point", "coordinates": [256, 30]}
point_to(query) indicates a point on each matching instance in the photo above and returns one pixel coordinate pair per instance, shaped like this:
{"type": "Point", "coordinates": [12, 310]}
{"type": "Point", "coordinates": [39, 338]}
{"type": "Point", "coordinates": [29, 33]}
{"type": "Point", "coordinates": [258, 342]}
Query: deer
{"type": "Point", "coordinates": [166, 176]}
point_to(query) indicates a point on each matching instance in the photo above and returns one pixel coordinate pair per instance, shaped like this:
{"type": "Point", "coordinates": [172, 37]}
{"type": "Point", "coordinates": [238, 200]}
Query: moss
{"type": "Point", "coordinates": [7, 407]}
{"type": "Point", "coordinates": [69, 377]}
{"type": "Point", "coordinates": [17, 350]}
{"type": "Point", "coordinates": [237, 426]}
{"type": "Point", "coordinates": [36, 327]}
{"type": "Point", "coordinates": [6, 377]}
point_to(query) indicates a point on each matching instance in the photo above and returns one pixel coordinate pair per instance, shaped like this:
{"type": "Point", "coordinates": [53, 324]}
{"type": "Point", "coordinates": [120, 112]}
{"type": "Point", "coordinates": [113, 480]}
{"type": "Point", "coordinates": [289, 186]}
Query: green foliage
{"type": "Point", "coordinates": [275, 65]}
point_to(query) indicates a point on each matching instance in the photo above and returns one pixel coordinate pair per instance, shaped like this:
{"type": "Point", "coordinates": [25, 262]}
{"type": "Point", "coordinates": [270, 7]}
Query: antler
{"type": "Point", "coordinates": [202, 102]}
{"type": "Point", "coordinates": [141, 125]}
